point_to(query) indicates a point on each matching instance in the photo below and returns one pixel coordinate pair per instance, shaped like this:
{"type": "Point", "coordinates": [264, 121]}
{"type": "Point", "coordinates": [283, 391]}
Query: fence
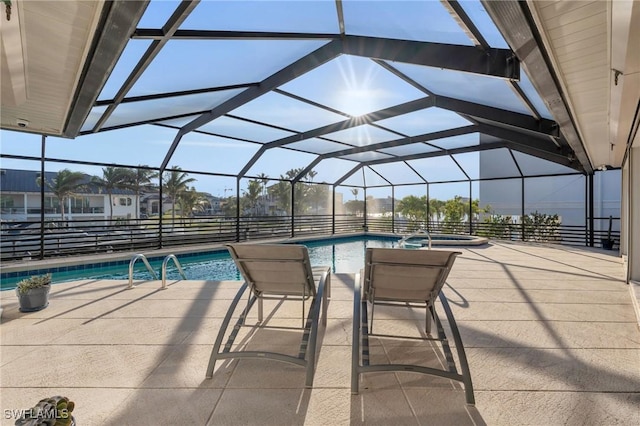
{"type": "Point", "coordinates": [67, 238]}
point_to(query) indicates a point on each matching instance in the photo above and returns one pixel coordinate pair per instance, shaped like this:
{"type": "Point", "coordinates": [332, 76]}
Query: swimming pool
{"type": "Point", "coordinates": [344, 255]}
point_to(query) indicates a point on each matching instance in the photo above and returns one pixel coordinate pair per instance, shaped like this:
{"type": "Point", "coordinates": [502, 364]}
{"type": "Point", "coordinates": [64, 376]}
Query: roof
{"type": "Point", "coordinates": [24, 181]}
{"type": "Point", "coordinates": [370, 89]}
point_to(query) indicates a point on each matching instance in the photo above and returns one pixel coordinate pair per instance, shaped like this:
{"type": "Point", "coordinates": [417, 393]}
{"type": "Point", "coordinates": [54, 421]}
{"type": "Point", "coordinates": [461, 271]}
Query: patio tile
{"type": "Point", "coordinates": [185, 367]}
{"type": "Point", "coordinates": [81, 365]}
{"type": "Point", "coordinates": [381, 407]}
{"type": "Point", "coordinates": [166, 407]}
{"type": "Point", "coordinates": [592, 370]}
{"type": "Point", "coordinates": [93, 406]}
{"type": "Point", "coordinates": [328, 407]}
{"type": "Point", "coordinates": [558, 408]}
{"type": "Point", "coordinates": [275, 407]}
{"type": "Point", "coordinates": [549, 334]}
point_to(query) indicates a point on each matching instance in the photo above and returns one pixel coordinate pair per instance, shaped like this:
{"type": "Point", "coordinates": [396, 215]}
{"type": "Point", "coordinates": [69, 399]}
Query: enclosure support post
{"type": "Point", "coordinates": [365, 227]}
{"type": "Point", "coordinates": [160, 208]}
{"type": "Point", "coordinates": [522, 210]}
{"type": "Point", "coordinates": [237, 209]}
{"type": "Point", "coordinates": [470, 208]}
{"type": "Point", "coordinates": [590, 201]}
{"type": "Point", "coordinates": [428, 210]}
{"type": "Point", "coordinates": [393, 209]}
{"type": "Point", "coordinates": [293, 210]}
{"type": "Point", "coordinates": [333, 210]}
{"type": "Point", "coordinates": [42, 186]}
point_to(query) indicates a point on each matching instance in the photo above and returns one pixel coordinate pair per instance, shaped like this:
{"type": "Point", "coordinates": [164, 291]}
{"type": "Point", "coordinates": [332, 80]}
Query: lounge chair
{"type": "Point", "coordinates": [405, 278]}
{"type": "Point", "coordinates": [276, 271]}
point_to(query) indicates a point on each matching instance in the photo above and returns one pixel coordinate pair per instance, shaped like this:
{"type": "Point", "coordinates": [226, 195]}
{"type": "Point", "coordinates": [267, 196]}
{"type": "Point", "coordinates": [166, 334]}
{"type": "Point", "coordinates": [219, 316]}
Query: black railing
{"type": "Point", "coordinates": [21, 240]}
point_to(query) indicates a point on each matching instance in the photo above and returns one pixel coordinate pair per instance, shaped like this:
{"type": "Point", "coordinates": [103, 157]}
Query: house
{"type": "Point", "coordinates": [20, 199]}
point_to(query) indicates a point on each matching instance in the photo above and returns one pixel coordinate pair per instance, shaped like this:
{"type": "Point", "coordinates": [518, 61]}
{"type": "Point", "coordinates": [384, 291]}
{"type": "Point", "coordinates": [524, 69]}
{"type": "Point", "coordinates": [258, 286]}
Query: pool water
{"type": "Point", "coordinates": [344, 255]}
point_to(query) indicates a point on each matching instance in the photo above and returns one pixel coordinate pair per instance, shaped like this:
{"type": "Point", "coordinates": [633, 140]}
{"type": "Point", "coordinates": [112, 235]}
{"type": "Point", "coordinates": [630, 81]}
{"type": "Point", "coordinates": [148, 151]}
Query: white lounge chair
{"type": "Point", "coordinates": [405, 278]}
{"type": "Point", "coordinates": [276, 271]}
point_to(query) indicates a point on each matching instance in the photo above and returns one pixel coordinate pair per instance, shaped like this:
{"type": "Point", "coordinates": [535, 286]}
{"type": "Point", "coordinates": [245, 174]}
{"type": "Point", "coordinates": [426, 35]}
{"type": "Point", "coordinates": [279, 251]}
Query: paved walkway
{"type": "Point", "coordinates": [550, 333]}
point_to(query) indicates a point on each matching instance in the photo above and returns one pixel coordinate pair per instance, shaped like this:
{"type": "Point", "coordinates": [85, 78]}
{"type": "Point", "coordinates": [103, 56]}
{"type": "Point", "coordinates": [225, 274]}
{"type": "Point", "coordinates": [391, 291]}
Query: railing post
{"type": "Point", "coordinates": [333, 210]}
{"type": "Point", "coordinates": [590, 201]}
{"type": "Point", "coordinates": [393, 210]}
{"type": "Point", "coordinates": [522, 210]}
{"type": "Point", "coordinates": [42, 187]}
{"type": "Point", "coordinates": [237, 209]}
{"type": "Point", "coordinates": [470, 208]}
{"type": "Point", "coordinates": [293, 210]}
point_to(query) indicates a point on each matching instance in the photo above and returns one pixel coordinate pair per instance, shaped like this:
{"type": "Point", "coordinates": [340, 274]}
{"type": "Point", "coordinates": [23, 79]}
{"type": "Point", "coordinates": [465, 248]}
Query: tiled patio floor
{"type": "Point", "coordinates": [550, 333]}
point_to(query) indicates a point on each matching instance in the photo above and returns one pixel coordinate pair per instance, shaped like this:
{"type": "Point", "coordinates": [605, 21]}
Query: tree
{"type": "Point", "coordinates": [190, 200]}
{"type": "Point", "coordinates": [64, 185]}
{"type": "Point", "coordinates": [355, 191]}
{"type": "Point", "coordinates": [436, 209]}
{"type": "Point", "coordinates": [112, 178]}
{"type": "Point", "coordinates": [175, 182]}
{"type": "Point", "coordinates": [413, 208]}
{"type": "Point", "coordinates": [139, 180]}
{"type": "Point", "coordinates": [281, 191]}
{"type": "Point", "coordinates": [264, 179]}
{"type": "Point", "coordinates": [252, 195]}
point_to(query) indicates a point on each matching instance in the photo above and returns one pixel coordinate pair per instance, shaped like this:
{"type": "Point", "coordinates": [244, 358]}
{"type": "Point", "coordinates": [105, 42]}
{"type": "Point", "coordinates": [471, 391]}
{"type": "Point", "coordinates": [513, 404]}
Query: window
{"type": "Point", "coordinates": [125, 201]}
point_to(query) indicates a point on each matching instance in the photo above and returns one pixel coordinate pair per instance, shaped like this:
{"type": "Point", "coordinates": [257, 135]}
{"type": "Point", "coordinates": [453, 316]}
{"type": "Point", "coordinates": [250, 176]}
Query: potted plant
{"type": "Point", "coordinates": [607, 243]}
{"type": "Point", "coordinates": [33, 293]}
{"type": "Point", "coordinates": [49, 411]}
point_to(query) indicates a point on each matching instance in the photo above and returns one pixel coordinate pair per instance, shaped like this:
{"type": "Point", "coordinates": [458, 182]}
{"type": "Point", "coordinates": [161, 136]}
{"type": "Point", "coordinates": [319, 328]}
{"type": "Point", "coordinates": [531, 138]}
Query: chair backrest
{"type": "Point", "coordinates": [406, 275]}
{"type": "Point", "coordinates": [282, 269]}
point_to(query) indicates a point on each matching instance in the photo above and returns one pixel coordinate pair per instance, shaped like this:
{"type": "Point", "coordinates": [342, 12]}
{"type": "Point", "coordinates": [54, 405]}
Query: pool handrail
{"type": "Point", "coordinates": [134, 259]}
{"type": "Point", "coordinates": [404, 239]}
{"type": "Point", "coordinates": [164, 269]}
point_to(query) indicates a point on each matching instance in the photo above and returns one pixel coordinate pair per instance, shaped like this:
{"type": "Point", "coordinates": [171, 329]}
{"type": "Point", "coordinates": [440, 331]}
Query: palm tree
{"type": "Point", "coordinates": [264, 179]}
{"type": "Point", "coordinates": [189, 200]}
{"type": "Point", "coordinates": [139, 180]}
{"type": "Point", "coordinates": [175, 182]}
{"type": "Point", "coordinates": [252, 194]}
{"type": "Point", "coordinates": [355, 191]}
{"type": "Point", "coordinates": [64, 185]}
{"type": "Point", "coordinates": [112, 178]}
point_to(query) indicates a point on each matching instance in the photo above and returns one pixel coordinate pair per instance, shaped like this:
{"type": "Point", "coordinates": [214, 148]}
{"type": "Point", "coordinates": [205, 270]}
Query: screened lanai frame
{"type": "Point", "coordinates": [465, 58]}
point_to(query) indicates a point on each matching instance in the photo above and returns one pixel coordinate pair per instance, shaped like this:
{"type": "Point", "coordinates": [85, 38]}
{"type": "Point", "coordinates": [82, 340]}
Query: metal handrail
{"type": "Point", "coordinates": [164, 269]}
{"type": "Point", "coordinates": [404, 239]}
{"type": "Point", "coordinates": [134, 259]}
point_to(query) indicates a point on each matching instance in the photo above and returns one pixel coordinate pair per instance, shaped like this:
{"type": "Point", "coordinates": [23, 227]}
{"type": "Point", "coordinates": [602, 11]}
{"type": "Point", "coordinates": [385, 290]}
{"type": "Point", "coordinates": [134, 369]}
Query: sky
{"type": "Point", "coordinates": [349, 85]}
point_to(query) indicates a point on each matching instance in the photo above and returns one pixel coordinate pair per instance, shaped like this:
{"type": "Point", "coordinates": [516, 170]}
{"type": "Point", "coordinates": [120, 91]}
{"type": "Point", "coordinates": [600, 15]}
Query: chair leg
{"type": "Point", "coordinates": [355, 337]}
{"type": "Point", "coordinates": [314, 314]}
{"type": "Point", "coordinates": [462, 357]}
{"type": "Point", "coordinates": [223, 329]}
{"type": "Point", "coordinates": [427, 320]}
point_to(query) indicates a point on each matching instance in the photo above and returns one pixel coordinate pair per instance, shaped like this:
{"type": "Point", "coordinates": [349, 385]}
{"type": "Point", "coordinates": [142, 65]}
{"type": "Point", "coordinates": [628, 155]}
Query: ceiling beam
{"type": "Point", "coordinates": [463, 150]}
{"type": "Point", "coordinates": [156, 34]}
{"type": "Point", "coordinates": [426, 137]}
{"type": "Point", "coordinates": [513, 19]}
{"type": "Point", "coordinates": [313, 60]}
{"type": "Point", "coordinates": [543, 126]}
{"type": "Point", "coordinates": [177, 18]}
{"type": "Point", "coordinates": [372, 117]}
{"type": "Point", "coordinates": [500, 63]}
{"type": "Point", "coordinates": [542, 148]}
{"type": "Point", "coordinates": [120, 19]}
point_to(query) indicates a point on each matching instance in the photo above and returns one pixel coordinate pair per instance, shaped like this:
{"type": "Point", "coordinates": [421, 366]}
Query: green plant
{"type": "Point", "coordinates": [36, 281]}
{"type": "Point", "coordinates": [54, 411]}
{"type": "Point", "coordinates": [541, 227]}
